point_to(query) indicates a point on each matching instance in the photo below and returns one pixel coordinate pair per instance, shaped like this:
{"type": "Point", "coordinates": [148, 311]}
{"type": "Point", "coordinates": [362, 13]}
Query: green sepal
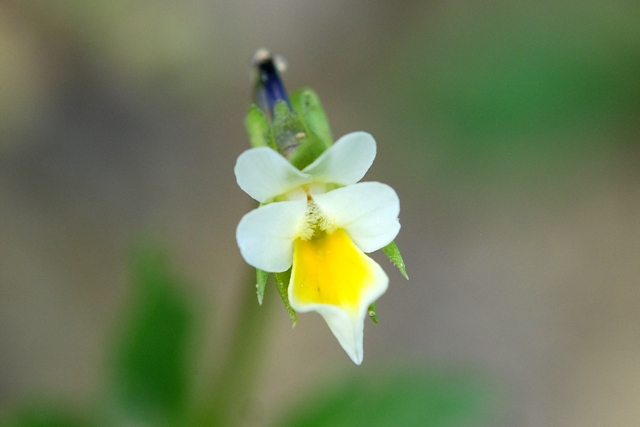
{"type": "Point", "coordinates": [309, 149]}
{"type": "Point", "coordinates": [287, 129]}
{"type": "Point", "coordinates": [261, 283]}
{"type": "Point", "coordinates": [282, 283]}
{"type": "Point", "coordinates": [257, 125]}
{"type": "Point", "coordinates": [395, 257]}
{"type": "Point", "coordinates": [307, 104]}
{"type": "Point", "coordinates": [372, 313]}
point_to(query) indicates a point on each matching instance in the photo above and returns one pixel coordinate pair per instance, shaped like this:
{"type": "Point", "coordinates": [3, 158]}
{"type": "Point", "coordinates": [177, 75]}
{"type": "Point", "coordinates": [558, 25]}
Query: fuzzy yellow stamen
{"type": "Point", "coordinates": [315, 221]}
{"type": "Point", "coordinates": [329, 269]}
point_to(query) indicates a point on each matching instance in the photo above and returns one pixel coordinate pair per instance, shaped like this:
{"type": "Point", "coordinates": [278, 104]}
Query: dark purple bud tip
{"type": "Point", "coordinates": [269, 88]}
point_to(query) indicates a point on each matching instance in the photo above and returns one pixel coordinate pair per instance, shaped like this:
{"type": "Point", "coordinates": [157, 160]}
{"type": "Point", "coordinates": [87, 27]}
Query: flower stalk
{"type": "Point", "coordinates": [227, 399]}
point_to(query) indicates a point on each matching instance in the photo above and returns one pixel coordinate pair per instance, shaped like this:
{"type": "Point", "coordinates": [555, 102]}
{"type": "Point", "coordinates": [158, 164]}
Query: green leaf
{"type": "Point", "coordinates": [43, 415]}
{"type": "Point", "coordinates": [372, 313]}
{"type": "Point", "coordinates": [282, 283]}
{"type": "Point", "coordinates": [395, 257]}
{"type": "Point", "coordinates": [261, 279]}
{"type": "Point", "coordinates": [257, 126]}
{"type": "Point", "coordinates": [307, 104]}
{"type": "Point", "coordinates": [407, 398]}
{"type": "Point", "coordinates": [150, 365]}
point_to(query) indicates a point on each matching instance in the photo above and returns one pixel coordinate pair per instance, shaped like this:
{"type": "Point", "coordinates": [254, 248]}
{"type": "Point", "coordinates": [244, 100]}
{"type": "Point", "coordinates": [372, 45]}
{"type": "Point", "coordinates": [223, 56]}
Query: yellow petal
{"type": "Point", "coordinates": [332, 276]}
{"type": "Point", "coordinates": [329, 269]}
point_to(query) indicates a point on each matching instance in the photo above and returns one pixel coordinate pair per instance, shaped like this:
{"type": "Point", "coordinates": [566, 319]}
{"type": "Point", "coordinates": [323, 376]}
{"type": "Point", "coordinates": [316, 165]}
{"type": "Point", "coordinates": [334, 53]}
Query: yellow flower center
{"type": "Point", "coordinates": [329, 269]}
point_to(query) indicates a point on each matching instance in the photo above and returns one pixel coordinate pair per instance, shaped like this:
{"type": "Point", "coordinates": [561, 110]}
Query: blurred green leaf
{"type": "Point", "coordinates": [532, 73]}
{"type": "Point", "coordinates": [151, 362]}
{"type": "Point", "coordinates": [404, 398]}
{"type": "Point", "coordinates": [514, 96]}
{"type": "Point", "coordinates": [40, 415]}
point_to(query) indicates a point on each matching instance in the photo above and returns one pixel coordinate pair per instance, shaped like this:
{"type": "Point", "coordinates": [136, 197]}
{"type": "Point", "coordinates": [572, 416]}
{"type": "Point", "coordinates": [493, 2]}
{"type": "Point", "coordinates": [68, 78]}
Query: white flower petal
{"type": "Point", "coordinates": [263, 174]}
{"type": "Point", "coordinates": [348, 330]}
{"type": "Point", "coordinates": [368, 211]}
{"type": "Point", "coordinates": [265, 235]}
{"type": "Point", "coordinates": [346, 161]}
{"type": "Point", "coordinates": [336, 279]}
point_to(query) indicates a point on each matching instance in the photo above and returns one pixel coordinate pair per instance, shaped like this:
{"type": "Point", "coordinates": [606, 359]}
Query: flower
{"type": "Point", "coordinates": [320, 221]}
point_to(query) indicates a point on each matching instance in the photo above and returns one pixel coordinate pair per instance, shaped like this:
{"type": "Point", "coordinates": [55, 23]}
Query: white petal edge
{"type": "Point", "coordinates": [264, 174]}
{"type": "Point", "coordinates": [265, 235]}
{"type": "Point", "coordinates": [346, 161]}
{"type": "Point", "coordinates": [367, 211]}
{"type": "Point", "coordinates": [348, 328]}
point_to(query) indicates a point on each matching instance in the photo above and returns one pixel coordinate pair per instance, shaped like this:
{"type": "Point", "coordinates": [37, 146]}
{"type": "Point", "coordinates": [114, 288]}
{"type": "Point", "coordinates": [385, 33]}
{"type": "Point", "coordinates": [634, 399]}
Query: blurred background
{"type": "Point", "coordinates": [510, 131]}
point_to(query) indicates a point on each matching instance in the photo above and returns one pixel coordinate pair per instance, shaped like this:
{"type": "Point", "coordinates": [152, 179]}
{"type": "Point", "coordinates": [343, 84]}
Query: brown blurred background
{"type": "Point", "coordinates": [510, 131]}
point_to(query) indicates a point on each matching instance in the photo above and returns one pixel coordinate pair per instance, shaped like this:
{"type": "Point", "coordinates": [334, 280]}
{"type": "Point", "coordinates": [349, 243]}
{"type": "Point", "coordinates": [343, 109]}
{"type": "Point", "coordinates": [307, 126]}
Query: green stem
{"type": "Point", "coordinates": [239, 371]}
